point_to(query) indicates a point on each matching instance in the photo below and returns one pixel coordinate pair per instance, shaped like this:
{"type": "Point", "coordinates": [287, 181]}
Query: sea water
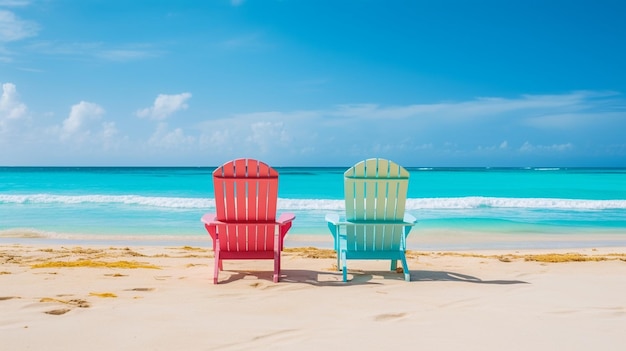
{"type": "Point", "coordinates": [143, 202]}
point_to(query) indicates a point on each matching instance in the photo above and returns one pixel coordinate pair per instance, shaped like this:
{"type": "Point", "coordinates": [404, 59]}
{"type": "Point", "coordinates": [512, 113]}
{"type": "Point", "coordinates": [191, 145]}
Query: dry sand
{"type": "Point", "coordinates": [162, 298]}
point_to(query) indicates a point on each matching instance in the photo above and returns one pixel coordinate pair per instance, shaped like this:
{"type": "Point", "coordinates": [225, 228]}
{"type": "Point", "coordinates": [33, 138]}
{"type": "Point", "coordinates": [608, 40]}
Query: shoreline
{"type": "Point", "coordinates": [430, 240]}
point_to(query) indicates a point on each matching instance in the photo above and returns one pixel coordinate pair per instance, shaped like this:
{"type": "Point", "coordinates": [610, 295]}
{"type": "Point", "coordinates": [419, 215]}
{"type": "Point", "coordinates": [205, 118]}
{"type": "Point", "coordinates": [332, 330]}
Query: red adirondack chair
{"type": "Point", "coordinates": [245, 225]}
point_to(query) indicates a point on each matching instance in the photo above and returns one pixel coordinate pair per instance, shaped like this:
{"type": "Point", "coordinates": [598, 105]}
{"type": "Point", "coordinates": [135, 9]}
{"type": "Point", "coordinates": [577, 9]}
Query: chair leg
{"type": "Point", "coordinates": [344, 266]}
{"type": "Point", "coordinates": [216, 268]}
{"type": "Point", "coordinates": [276, 265]}
{"type": "Point", "coordinates": [394, 265]}
{"type": "Point", "coordinates": [333, 231]}
{"type": "Point", "coordinates": [405, 266]}
{"type": "Point", "coordinates": [338, 251]}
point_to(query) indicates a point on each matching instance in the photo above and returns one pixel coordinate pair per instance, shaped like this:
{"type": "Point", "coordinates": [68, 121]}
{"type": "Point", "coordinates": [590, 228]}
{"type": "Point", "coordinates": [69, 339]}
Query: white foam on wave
{"type": "Point", "coordinates": [547, 169]}
{"type": "Point", "coordinates": [310, 204]}
{"type": "Point", "coordinates": [156, 201]}
{"type": "Point", "coordinates": [320, 204]}
{"type": "Point", "coordinates": [522, 203]}
{"type": "Point", "coordinates": [468, 203]}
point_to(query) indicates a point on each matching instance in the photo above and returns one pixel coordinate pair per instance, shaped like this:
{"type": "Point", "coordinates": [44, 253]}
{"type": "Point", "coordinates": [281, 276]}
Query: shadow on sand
{"type": "Point", "coordinates": [333, 278]}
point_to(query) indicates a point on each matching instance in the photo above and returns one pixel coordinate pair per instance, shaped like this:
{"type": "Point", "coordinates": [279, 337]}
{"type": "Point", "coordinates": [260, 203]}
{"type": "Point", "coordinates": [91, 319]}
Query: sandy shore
{"type": "Point", "coordinates": [69, 297]}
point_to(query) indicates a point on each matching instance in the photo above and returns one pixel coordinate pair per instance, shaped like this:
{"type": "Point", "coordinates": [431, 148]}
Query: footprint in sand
{"type": "Point", "coordinates": [389, 316]}
{"type": "Point", "coordinates": [73, 302]}
{"type": "Point", "coordinates": [140, 289]}
{"type": "Point", "coordinates": [80, 303]}
{"type": "Point", "coordinates": [277, 335]}
{"type": "Point", "coordinates": [2, 298]}
{"type": "Point", "coordinates": [58, 312]}
{"type": "Point", "coordinates": [196, 264]}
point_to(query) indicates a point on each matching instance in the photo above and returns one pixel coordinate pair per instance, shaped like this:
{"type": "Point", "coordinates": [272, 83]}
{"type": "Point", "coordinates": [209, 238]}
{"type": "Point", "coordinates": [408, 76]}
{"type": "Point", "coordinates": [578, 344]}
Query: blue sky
{"type": "Point", "coordinates": [313, 82]}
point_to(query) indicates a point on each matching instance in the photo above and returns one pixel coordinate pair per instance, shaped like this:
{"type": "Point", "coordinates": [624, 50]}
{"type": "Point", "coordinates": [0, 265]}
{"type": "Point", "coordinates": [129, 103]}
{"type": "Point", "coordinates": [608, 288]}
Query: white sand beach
{"type": "Point", "coordinates": [68, 297]}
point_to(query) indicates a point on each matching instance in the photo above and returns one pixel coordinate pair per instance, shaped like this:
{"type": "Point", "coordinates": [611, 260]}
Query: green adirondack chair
{"type": "Point", "coordinates": [375, 226]}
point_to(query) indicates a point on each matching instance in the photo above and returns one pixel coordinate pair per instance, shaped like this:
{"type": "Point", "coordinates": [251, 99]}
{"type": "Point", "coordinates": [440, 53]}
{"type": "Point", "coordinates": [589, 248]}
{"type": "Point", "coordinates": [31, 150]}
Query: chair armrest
{"type": "Point", "coordinates": [409, 218]}
{"type": "Point", "coordinates": [285, 218]}
{"type": "Point", "coordinates": [209, 218]}
{"type": "Point", "coordinates": [332, 218]}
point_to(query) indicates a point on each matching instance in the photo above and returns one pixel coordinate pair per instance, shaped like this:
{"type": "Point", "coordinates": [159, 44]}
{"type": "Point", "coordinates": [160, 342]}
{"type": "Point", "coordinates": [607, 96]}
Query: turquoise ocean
{"type": "Point", "coordinates": [144, 203]}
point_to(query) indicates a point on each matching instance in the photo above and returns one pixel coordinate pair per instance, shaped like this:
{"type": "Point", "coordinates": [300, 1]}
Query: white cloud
{"type": "Point", "coordinates": [528, 147]}
{"type": "Point", "coordinates": [250, 41]}
{"type": "Point", "coordinates": [415, 134]}
{"type": "Point", "coordinates": [165, 105]}
{"type": "Point", "coordinates": [216, 138]}
{"type": "Point", "coordinates": [261, 134]}
{"type": "Point", "coordinates": [264, 135]}
{"type": "Point", "coordinates": [167, 138]}
{"type": "Point", "coordinates": [575, 120]}
{"type": "Point", "coordinates": [11, 108]}
{"type": "Point", "coordinates": [109, 130]}
{"type": "Point", "coordinates": [476, 128]}
{"type": "Point", "coordinates": [97, 50]}
{"type": "Point", "coordinates": [60, 48]}
{"type": "Point", "coordinates": [503, 146]}
{"type": "Point", "coordinates": [12, 28]}
{"type": "Point", "coordinates": [108, 136]}
{"type": "Point", "coordinates": [479, 107]}
{"type": "Point", "coordinates": [124, 55]}
{"type": "Point", "coordinates": [80, 115]}
{"type": "Point", "coordinates": [14, 3]}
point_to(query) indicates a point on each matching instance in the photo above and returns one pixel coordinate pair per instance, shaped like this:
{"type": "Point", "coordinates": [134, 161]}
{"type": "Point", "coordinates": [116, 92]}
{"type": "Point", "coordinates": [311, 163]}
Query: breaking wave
{"type": "Point", "coordinates": [320, 204]}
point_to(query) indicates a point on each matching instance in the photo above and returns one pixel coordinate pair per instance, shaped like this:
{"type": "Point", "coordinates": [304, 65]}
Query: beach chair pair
{"type": "Point", "coordinates": [245, 225]}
